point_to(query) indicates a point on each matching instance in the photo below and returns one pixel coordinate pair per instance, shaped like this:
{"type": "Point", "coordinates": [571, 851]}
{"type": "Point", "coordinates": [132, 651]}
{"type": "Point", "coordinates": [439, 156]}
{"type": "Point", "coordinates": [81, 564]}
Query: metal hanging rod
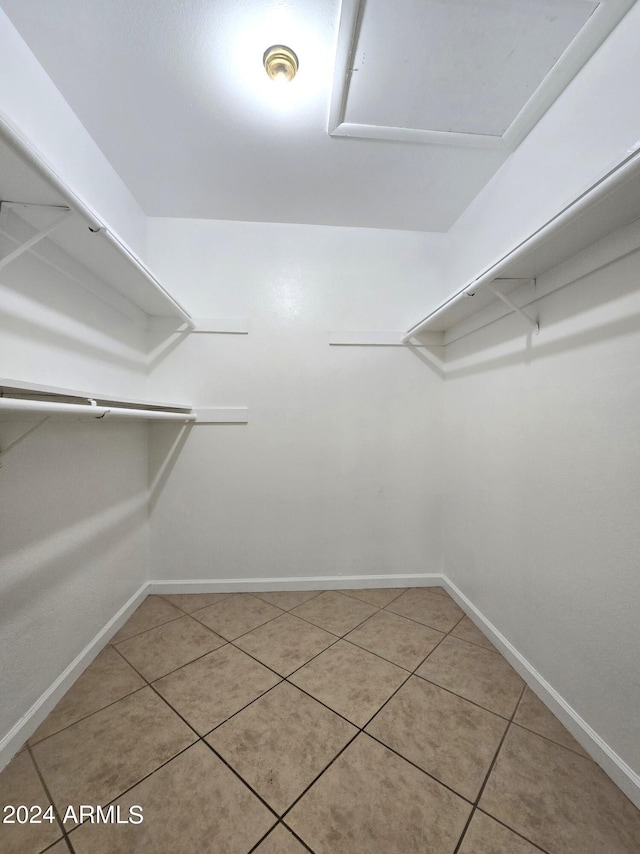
{"type": "Point", "coordinates": [92, 410]}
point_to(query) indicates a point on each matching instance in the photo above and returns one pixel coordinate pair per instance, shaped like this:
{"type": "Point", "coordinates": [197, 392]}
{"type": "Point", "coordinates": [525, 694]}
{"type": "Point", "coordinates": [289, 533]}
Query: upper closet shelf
{"type": "Point", "coordinates": [41, 214]}
{"type": "Point", "coordinates": [510, 283]}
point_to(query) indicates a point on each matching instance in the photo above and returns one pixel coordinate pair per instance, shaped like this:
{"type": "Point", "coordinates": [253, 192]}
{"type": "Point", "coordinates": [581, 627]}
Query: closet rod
{"type": "Point", "coordinates": [45, 407]}
{"type": "Point", "coordinates": [607, 184]}
{"type": "Point", "coordinates": [10, 134]}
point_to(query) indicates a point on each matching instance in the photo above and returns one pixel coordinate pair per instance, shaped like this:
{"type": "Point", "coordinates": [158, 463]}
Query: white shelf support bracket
{"type": "Point", "coordinates": [514, 307]}
{"type": "Point", "coordinates": [65, 212]}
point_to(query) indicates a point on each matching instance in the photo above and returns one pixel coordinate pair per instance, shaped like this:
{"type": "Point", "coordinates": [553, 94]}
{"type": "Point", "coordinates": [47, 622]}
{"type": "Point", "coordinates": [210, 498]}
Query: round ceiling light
{"type": "Point", "coordinates": [280, 62]}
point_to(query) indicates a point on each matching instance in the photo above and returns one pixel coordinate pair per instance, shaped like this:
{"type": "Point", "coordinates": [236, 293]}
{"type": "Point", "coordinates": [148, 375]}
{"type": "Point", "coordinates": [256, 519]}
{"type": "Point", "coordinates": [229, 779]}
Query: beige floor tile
{"type": "Point", "coordinates": [287, 599]}
{"type": "Point", "coordinates": [534, 715]}
{"type": "Point", "coordinates": [108, 678]}
{"type": "Point", "coordinates": [216, 686]}
{"type": "Point", "coordinates": [350, 680]}
{"type": "Point", "coordinates": [192, 804]}
{"type": "Point", "coordinates": [280, 841]}
{"type": "Point", "coordinates": [280, 743]}
{"type": "Point", "coordinates": [446, 736]}
{"type": "Point", "coordinates": [286, 643]}
{"type": "Point", "coordinates": [486, 836]}
{"type": "Point", "coordinates": [395, 638]}
{"type": "Point", "coordinates": [20, 785]}
{"type": "Point", "coordinates": [439, 590]}
{"type": "Point", "coordinates": [97, 758]}
{"type": "Point", "coordinates": [237, 614]}
{"type": "Point", "coordinates": [153, 612]}
{"type": "Point", "coordinates": [474, 673]}
{"type": "Point", "coordinates": [165, 648]}
{"type": "Point", "coordinates": [559, 800]}
{"type": "Point", "coordinates": [335, 612]}
{"type": "Point", "coordinates": [428, 607]}
{"type": "Point", "coordinates": [379, 596]}
{"type": "Point", "coordinates": [59, 848]}
{"type": "Point", "coordinates": [468, 631]}
{"type": "Point", "coordinates": [190, 602]}
{"type": "Point", "coordinates": [372, 801]}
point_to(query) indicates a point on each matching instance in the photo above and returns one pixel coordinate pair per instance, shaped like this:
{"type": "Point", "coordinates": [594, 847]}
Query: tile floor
{"type": "Point", "coordinates": [351, 722]}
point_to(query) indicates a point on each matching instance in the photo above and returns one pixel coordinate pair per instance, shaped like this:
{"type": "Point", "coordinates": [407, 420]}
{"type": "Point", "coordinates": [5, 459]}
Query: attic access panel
{"type": "Point", "coordinates": [460, 72]}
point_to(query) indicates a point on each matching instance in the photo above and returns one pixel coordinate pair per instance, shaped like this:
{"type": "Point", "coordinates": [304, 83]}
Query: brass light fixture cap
{"type": "Point", "coordinates": [280, 62]}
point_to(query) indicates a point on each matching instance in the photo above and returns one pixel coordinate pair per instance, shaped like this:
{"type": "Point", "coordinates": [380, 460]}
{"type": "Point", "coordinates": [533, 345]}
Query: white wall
{"type": "Point", "coordinates": [541, 524]}
{"type": "Point", "coordinates": [74, 520]}
{"type": "Point", "coordinates": [338, 470]}
{"type": "Point", "coordinates": [73, 531]}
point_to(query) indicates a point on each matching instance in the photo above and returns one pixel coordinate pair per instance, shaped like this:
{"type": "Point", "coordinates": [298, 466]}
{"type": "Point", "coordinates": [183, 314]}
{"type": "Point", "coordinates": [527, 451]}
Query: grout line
{"type": "Point", "coordinates": [317, 777]}
{"type": "Point", "coordinates": [262, 838]}
{"type": "Point", "coordinates": [339, 714]}
{"type": "Point", "coordinates": [299, 838]}
{"type": "Point", "coordinates": [377, 654]}
{"type": "Point", "coordinates": [552, 741]}
{"type": "Point", "coordinates": [419, 768]}
{"type": "Point", "coordinates": [189, 613]}
{"type": "Point", "coordinates": [48, 794]}
{"type": "Point", "coordinates": [462, 697]}
{"type": "Point", "coordinates": [113, 642]}
{"type": "Point", "coordinates": [137, 783]}
{"type": "Point", "coordinates": [175, 670]}
{"type": "Point", "coordinates": [397, 596]}
{"type": "Point", "coordinates": [315, 593]}
{"type": "Point", "coordinates": [488, 774]}
{"type": "Point", "coordinates": [252, 629]}
{"type": "Point", "coordinates": [495, 756]}
{"type": "Point", "coordinates": [280, 823]}
{"type": "Point", "coordinates": [250, 703]}
{"type": "Point", "coordinates": [535, 844]}
{"type": "Point", "coordinates": [84, 717]}
{"type": "Point", "coordinates": [242, 780]}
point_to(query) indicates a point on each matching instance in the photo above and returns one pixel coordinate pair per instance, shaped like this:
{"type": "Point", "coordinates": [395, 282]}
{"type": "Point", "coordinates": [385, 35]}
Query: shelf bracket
{"type": "Point", "coordinates": [65, 212]}
{"type": "Point", "coordinates": [514, 307]}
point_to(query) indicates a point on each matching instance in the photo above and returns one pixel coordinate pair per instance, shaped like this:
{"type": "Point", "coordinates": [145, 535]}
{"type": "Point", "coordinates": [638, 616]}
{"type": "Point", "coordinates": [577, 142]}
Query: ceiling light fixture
{"type": "Point", "coordinates": [280, 63]}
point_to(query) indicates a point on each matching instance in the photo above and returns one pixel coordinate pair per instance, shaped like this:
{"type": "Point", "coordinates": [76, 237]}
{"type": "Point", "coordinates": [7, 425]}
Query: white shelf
{"type": "Point", "coordinates": [376, 339]}
{"type": "Point", "coordinates": [20, 388]}
{"type": "Point", "coordinates": [81, 246]}
{"type": "Point", "coordinates": [606, 207]}
{"type": "Point", "coordinates": [25, 401]}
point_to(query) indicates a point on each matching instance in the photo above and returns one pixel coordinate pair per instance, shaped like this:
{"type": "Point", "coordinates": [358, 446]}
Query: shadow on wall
{"type": "Point", "coordinates": [45, 335]}
{"type": "Point", "coordinates": [432, 357]}
{"type": "Point", "coordinates": [35, 570]}
{"type": "Point", "coordinates": [46, 291]}
{"type": "Point", "coordinates": [164, 449]}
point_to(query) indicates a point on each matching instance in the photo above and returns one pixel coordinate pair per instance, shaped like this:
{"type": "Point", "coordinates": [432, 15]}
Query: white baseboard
{"type": "Point", "coordinates": [624, 776]}
{"type": "Point", "coordinates": [302, 582]}
{"type": "Point", "coordinates": [31, 720]}
{"type": "Point", "coordinates": [612, 764]}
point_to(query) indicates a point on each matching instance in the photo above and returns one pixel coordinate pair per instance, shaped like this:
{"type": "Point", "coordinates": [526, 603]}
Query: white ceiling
{"type": "Point", "coordinates": [175, 95]}
{"type": "Point", "coordinates": [457, 67]}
